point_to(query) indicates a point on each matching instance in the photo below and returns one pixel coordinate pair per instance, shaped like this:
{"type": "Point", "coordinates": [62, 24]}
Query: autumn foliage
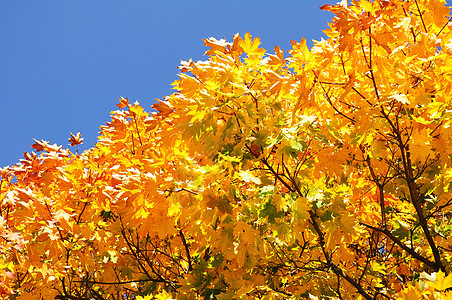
{"type": "Point", "coordinates": [322, 172]}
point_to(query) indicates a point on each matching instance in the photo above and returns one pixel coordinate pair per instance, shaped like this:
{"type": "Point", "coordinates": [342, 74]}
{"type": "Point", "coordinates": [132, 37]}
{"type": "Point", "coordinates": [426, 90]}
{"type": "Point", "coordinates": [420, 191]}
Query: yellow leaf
{"type": "Point", "coordinates": [247, 176]}
{"type": "Point", "coordinates": [149, 297]}
{"type": "Point", "coordinates": [409, 293]}
{"type": "Point", "coordinates": [161, 296]}
{"type": "Point", "coordinates": [400, 98]}
{"type": "Point", "coordinates": [251, 46]}
{"type": "Point", "coordinates": [441, 283]}
{"type": "Point", "coordinates": [301, 208]}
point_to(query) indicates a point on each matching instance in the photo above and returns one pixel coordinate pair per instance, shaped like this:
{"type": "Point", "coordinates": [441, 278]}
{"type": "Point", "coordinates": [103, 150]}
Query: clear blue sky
{"type": "Point", "coordinates": [63, 64]}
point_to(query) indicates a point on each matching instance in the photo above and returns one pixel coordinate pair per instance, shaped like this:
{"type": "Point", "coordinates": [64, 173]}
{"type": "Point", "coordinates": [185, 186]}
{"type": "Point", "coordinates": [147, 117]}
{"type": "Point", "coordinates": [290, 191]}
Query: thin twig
{"type": "Point", "coordinates": [420, 15]}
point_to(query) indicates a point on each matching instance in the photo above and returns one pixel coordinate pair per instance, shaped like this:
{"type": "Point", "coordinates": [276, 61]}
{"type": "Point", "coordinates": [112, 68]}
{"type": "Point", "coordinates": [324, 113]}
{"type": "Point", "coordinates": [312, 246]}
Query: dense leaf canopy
{"type": "Point", "coordinates": [321, 172]}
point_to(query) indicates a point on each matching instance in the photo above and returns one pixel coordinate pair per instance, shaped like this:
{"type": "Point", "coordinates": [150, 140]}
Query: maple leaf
{"type": "Point", "coordinates": [216, 45]}
{"type": "Point", "coordinates": [123, 103]}
{"type": "Point", "coordinates": [441, 283]}
{"type": "Point", "coordinates": [335, 8]}
{"type": "Point", "coordinates": [40, 145]}
{"type": "Point", "coordinates": [255, 149]}
{"type": "Point", "coordinates": [75, 139]}
{"type": "Point", "coordinates": [30, 159]}
{"type": "Point", "coordinates": [164, 109]}
{"type": "Point", "coordinates": [251, 46]}
{"type": "Point", "coordinates": [409, 293]}
{"type": "Point", "coordinates": [188, 85]}
{"type": "Point", "coordinates": [300, 50]}
{"type": "Point", "coordinates": [186, 66]}
{"type": "Point", "coordinates": [44, 145]}
{"type": "Point", "coordinates": [278, 57]}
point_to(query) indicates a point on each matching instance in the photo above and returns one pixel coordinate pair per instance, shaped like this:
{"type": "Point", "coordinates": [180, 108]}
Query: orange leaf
{"type": "Point", "coordinates": [75, 139]}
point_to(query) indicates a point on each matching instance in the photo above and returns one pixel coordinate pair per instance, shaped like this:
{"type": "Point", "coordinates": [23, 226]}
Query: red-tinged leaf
{"type": "Point", "coordinates": [278, 57]}
{"type": "Point", "coordinates": [44, 145]}
{"type": "Point", "coordinates": [151, 123]}
{"type": "Point", "coordinates": [39, 145]}
{"type": "Point", "coordinates": [123, 103]}
{"type": "Point", "coordinates": [336, 7]}
{"type": "Point", "coordinates": [331, 8]}
{"type": "Point", "coordinates": [255, 149]}
{"type": "Point", "coordinates": [75, 139]}
{"type": "Point", "coordinates": [186, 66]}
{"type": "Point", "coordinates": [163, 108]}
{"type": "Point", "coordinates": [30, 159]}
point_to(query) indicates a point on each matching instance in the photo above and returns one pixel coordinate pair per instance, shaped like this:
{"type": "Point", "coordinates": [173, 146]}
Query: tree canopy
{"type": "Point", "coordinates": [322, 172]}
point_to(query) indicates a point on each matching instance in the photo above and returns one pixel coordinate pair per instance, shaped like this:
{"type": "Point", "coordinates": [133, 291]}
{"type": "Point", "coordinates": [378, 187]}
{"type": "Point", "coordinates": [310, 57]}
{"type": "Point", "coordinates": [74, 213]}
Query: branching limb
{"type": "Point", "coordinates": [328, 98]}
{"type": "Point", "coordinates": [410, 251]}
{"type": "Point", "coordinates": [412, 187]}
{"type": "Point", "coordinates": [380, 187]}
{"type": "Point", "coordinates": [338, 271]}
{"type": "Point", "coordinates": [122, 282]}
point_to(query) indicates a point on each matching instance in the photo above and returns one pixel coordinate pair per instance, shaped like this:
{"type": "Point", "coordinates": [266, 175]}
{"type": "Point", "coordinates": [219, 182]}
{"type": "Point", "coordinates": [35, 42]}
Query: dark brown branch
{"type": "Point", "coordinates": [436, 127]}
{"type": "Point", "coordinates": [380, 187]}
{"type": "Point", "coordinates": [187, 250]}
{"type": "Point", "coordinates": [328, 98]}
{"type": "Point", "coordinates": [134, 253]}
{"type": "Point", "coordinates": [420, 15]}
{"type": "Point", "coordinates": [362, 96]}
{"type": "Point", "coordinates": [333, 83]}
{"type": "Point", "coordinates": [414, 195]}
{"type": "Point", "coordinates": [133, 144]}
{"type": "Point", "coordinates": [150, 263]}
{"type": "Point", "coordinates": [370, 65]}
{"type": "Point", "coordinates": [338, 271]}
{"type": "Point", "coordinates": [402, 245]}
{"type": "Point", "coordinates": [56, 224]}
{"type": "Point", "coordinates": [156, 251]}
{"type": "Point", "coordinates": [121, 282]}
{"type": "Point", "coordinates": [444, 26]}
{"type": "Point", "coordinates": [364, 269]}
{"type": "Point", "coordinates": [180, 190]}
{"type": "Point", "coordinates": [265, 162]}
{"type": "Point", "coordinates": [338, 289]}
{"type": "Point", "coordinates": [438, 208]}
{"type": "Point", "coordinates": [81, 213]}
{"type": "Point", "coordinates": [70, 297]}
{"type": "Point", "coordinates": [291, 178]}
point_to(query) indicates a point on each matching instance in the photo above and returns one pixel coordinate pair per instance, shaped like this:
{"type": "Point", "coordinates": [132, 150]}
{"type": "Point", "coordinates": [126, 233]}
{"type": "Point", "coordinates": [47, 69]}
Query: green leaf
{"type": "Point", "coordinates": [270, 211]}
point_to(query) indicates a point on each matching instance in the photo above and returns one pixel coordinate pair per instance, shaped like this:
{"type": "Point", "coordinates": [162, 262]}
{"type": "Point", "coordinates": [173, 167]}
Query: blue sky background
{"type": "Point", "coordinates": [64, 64]}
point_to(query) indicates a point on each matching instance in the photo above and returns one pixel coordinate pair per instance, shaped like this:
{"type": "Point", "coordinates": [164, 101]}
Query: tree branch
{"type": "Point", "coordinates": [122, 282]}
{"type": "Point", "coordinates": [411, 182]}
{"type": "Point", "coordinates": [338, 271]}
{"type": "Point", "coordinates": [420, 15]}
{"type": "Point", "coordinates": [402, 245]}
{"type": "Point", "coordinates": [187, 250]}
